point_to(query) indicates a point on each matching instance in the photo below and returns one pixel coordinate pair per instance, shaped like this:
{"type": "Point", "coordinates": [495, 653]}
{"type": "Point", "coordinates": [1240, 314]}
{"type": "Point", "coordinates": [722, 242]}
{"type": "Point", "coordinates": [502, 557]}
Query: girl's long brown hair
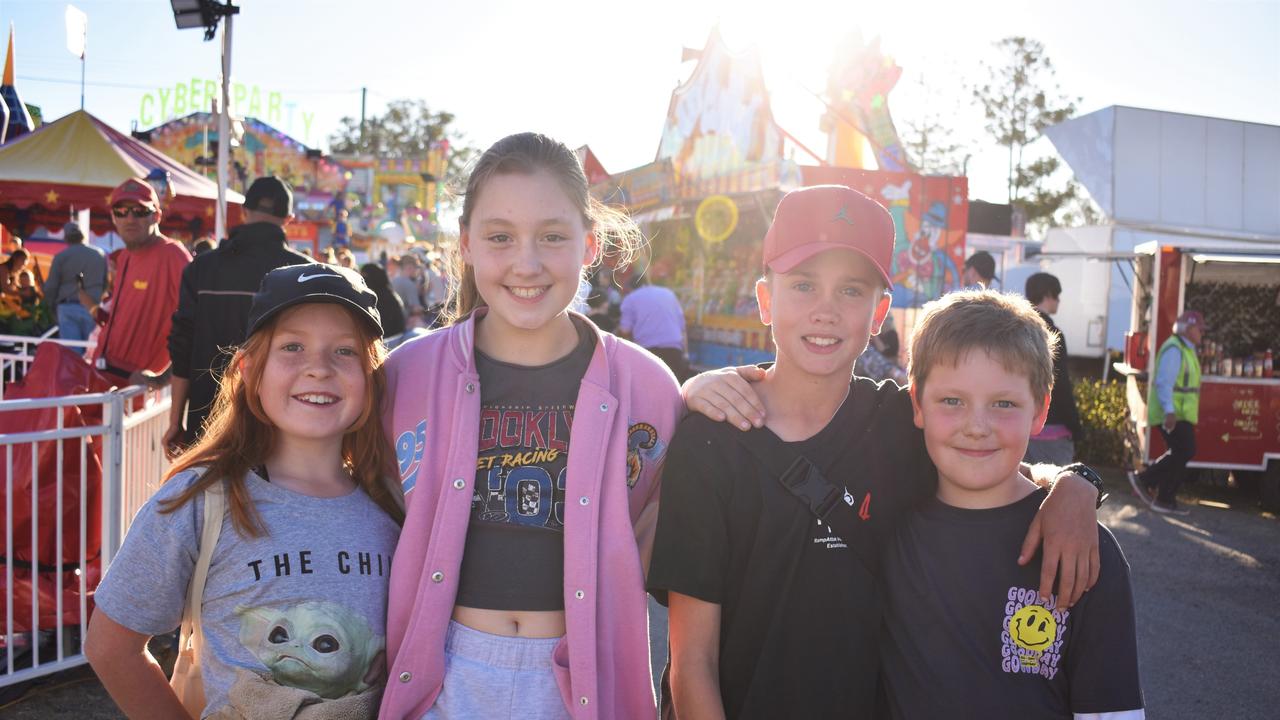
{"type": "Point", "coordinates": [239, 436]}
{"type": "Point", "coordinates": [618, 235]}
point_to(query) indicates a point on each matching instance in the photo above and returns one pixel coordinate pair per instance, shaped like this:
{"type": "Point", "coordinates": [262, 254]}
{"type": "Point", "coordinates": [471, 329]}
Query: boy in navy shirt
{"type": "Point", "coordinates": [966, 633]}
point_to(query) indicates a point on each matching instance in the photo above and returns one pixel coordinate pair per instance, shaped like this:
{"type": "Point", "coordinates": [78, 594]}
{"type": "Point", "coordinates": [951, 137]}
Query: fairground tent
{"type": "Point", "coordinates": [75, 162]}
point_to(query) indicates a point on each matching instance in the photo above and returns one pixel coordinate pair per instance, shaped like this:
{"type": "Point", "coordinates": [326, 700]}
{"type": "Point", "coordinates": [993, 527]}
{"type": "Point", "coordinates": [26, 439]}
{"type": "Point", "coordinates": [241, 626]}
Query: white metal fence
{"type": "Point", "coordinates": [84, 477]}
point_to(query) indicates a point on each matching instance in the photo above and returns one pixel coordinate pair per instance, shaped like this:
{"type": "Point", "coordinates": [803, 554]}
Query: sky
{"type": "Point", "coordinates": [601, 73]}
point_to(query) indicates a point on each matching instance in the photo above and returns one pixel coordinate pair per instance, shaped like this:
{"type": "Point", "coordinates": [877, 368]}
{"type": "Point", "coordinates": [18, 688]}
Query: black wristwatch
{"type": "Point", "coordinates": [1089, 474]}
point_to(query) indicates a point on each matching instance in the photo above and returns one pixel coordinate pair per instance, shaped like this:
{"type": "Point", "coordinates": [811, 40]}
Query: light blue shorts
{"type": "Point", "coordinates": [497, 677]}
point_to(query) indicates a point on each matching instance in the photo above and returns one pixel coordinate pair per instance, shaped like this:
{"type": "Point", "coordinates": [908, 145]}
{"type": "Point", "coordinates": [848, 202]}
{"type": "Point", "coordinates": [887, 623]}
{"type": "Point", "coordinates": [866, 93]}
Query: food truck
{"type": "Point", "coordinates": [1236, 285]}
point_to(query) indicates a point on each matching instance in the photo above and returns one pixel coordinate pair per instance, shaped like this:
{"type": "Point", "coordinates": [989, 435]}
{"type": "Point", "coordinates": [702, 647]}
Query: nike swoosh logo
{"type": "Point", "coordinates": [304, 278]}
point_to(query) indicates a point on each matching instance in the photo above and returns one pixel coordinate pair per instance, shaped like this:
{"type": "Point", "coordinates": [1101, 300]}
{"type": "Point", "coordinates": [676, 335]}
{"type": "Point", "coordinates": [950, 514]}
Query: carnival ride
{"type": "Point", "coordinates": [720, 144]}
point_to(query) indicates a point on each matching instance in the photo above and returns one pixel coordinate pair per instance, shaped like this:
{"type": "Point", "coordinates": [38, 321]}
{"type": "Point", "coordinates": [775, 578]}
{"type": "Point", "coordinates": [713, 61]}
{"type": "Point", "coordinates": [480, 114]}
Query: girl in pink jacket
{"type": "Point", "coordinates": [529, 445]}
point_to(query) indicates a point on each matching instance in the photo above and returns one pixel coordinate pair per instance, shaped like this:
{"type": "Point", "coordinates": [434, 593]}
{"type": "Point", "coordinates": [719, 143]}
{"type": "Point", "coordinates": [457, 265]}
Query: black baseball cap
{"type": "Point", "coordinates": [983, 264]}
{"type": "Point", "coordinates": [285, 287]}
{"type": "Point", "coordinates": [270, 195]}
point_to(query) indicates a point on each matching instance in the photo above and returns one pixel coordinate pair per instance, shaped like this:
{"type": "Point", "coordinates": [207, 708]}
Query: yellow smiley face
{"type": "Point", "coordinates": [1033, 628]}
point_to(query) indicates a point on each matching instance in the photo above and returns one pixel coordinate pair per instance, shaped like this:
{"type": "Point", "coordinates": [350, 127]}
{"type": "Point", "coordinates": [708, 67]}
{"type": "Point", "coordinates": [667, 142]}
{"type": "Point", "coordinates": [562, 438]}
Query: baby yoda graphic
{"type": "Point", "coordinates": [318, 646]}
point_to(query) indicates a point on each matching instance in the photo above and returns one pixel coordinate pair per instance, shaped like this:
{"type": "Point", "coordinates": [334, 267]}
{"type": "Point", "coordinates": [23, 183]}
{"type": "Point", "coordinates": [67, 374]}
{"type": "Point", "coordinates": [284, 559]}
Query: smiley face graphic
{"type": "Point", "coordinates": [1033, 628]}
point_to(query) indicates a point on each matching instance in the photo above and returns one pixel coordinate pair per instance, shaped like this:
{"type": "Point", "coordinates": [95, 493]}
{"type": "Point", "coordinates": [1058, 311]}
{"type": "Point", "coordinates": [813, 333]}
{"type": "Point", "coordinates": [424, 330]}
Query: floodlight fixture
{"type": "Point", "coordinates": [205, 14]}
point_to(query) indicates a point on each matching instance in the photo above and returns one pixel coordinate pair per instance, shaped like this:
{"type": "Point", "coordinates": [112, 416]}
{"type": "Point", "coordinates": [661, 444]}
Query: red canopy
{"type": "Point", "coordinates": [75, 162]}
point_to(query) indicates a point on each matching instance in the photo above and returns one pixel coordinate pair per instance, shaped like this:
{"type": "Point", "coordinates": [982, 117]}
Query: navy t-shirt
{"type": "Point", "coordinates": [966, 635]}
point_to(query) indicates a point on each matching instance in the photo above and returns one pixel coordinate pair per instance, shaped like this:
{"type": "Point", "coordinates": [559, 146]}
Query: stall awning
{"type": "Point", "coordinates": [77, 160]}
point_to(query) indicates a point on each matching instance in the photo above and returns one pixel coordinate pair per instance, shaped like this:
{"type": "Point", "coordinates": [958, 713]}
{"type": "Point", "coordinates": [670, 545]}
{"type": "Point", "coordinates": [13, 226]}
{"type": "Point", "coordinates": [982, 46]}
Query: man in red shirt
{"type": "Point", "coordinates": [148, 273]}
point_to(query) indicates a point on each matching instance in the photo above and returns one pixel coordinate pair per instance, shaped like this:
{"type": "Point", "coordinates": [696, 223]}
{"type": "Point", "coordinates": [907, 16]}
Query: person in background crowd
{"type": "Point", "coordinates": [880, 360]}
{"type": "Point", "coordinates": [145, 291]}
{"type": "Point", "coordinates": [213, 306]}
{"type": "Point", "coordinates": [78, 267]}
{"type": "Point", "coordinates": [389, 306]}
{"type": "Point", "coordinates": [887, 341]}
{"type": "Point", "coordinates": [979, 270]}
{"type": "Point", "coordinates": [875, 365]}
{"type": "Point", "coordinates": [1173, 405]}
{"type": "Point", "coordinates": [346, 259]}
{"type": "Point", "coordinates": [600, 312]}
{"type": "Point", "coordinates": [202, 246]}
{"type": "Point", "coordinates": [407, 287]}
{"type": "Point", "coordinates": [26, 290]}
{"type": "Point", "coordinates": [435, 286]}
{"type": "Point", "coordinates": [1056, 442]}
{"type": "Point", "coordinates": [329, 257]}
{"type": "Point", "coordinates": [9, 269]}
{"type": "Point", "coordinates": [653, 318]}
{"type": "Point", "coordinates": [341, 230]}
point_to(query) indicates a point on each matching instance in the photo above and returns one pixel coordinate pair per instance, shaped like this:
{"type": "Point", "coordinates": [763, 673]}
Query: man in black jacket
{"type": "Point", "coordinates": [213, 304]}
{"type": "Point", "coordinates": [1056, 442]}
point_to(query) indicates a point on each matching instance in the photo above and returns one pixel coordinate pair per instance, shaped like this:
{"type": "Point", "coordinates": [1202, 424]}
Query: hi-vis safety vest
{"type": "Point", "coordinates": [1186, 389]}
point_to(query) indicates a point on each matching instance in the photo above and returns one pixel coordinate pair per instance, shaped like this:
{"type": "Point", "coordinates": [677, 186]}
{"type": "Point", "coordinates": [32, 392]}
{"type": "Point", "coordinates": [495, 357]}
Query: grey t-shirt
{"type": "Point", "coordinates": [61, 286]}
{"type": "Point", "coordinates": [302, 607]}
{"type": "Point", "coordinates": [407, 288]}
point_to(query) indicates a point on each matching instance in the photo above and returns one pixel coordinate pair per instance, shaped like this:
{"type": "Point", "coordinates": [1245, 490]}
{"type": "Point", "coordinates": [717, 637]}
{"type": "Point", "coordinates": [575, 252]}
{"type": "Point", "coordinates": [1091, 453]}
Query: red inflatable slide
{"type": "Point", "coordinates": [55, 371]}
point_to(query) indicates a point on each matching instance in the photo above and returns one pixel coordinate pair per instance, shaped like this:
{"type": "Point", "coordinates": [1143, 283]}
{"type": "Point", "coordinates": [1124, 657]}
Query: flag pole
{"type": "Point", "coordinates": [224, 132]}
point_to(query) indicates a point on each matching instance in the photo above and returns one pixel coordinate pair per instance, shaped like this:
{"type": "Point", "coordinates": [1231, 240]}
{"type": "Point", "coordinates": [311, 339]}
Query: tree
{"type": "Point", "coordinates": [929, 138]}
{"type": "Point", "coordinates": [1079, 209]}
{"type": "Point", "coordinates": [406, 129]}
{"type": "Point", "coordinates": [1020, 99]}
{"type": "Point", "coordinates": [929, 146]}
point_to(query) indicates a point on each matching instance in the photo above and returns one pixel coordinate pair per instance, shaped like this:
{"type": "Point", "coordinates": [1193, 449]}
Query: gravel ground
{"type": "Point", "coordinates": [1205, 587]}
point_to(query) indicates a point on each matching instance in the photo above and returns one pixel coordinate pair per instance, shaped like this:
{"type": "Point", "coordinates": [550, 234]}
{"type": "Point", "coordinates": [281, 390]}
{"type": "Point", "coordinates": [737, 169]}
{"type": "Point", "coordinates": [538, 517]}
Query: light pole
{"type": "Point", "coordinates": [206, 14]}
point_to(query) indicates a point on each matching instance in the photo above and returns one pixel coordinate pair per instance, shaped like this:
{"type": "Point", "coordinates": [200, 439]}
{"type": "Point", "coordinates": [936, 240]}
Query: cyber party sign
{"type": "Point", "coordinates": [198, 94]}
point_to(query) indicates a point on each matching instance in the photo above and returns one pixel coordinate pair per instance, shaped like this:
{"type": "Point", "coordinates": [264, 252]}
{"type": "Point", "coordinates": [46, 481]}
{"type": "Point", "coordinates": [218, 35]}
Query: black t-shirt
{"type": "Point", "coordinates": [800, 613]}
{"type": "Point", "coordinates": [514, 555]}
{"type": "Point", "coordinates": [1062, 401]}
{"type": "Point", "coordinates": [966, 635]}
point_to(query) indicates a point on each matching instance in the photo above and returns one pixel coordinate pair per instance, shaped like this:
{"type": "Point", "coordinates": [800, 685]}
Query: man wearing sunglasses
{"type": "Point", "coordinates": [148, 271]}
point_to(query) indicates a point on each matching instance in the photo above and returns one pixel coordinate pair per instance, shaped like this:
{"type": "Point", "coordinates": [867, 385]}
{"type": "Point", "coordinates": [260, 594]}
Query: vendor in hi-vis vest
{"type": "Point", "coordinates": [1173, 405]}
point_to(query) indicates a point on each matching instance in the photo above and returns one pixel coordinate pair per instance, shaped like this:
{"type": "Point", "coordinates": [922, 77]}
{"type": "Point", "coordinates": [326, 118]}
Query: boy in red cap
{"type": "Point", "coordinates": [768, 540]}
{"type": "Point", "coordinates": [145, 291]}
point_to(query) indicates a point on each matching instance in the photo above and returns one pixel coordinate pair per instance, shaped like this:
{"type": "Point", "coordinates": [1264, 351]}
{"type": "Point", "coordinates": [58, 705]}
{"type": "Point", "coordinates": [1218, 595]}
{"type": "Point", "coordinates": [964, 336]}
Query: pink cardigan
{"type": "Point", "coordinates": [627, 408]}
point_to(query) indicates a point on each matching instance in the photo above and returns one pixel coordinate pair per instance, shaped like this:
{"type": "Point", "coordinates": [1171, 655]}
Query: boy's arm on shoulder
{"type": "Point", "coordinates": [726, 395]}
{"type": "Point", "coordinates": [694, 626]}
{"type": "Point", "coordinates": [1066, 524]}
{"type": "Point", "coordinates": [1102, 658]}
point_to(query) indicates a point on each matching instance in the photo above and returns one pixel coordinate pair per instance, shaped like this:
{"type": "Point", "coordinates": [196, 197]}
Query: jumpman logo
{"type": "Point", "coordinates": [843, 215]}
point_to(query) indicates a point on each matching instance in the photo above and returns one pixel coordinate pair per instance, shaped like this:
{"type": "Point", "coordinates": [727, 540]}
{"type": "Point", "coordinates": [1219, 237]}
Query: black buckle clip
{"type": "Point", "coordinates": [805, 481]}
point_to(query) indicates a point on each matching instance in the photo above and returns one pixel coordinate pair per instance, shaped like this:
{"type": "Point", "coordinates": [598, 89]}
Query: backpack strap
{"type": "Point", "coordinates": [214, 508]}
{"type": "Point", "coordinates": [826, 498]}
